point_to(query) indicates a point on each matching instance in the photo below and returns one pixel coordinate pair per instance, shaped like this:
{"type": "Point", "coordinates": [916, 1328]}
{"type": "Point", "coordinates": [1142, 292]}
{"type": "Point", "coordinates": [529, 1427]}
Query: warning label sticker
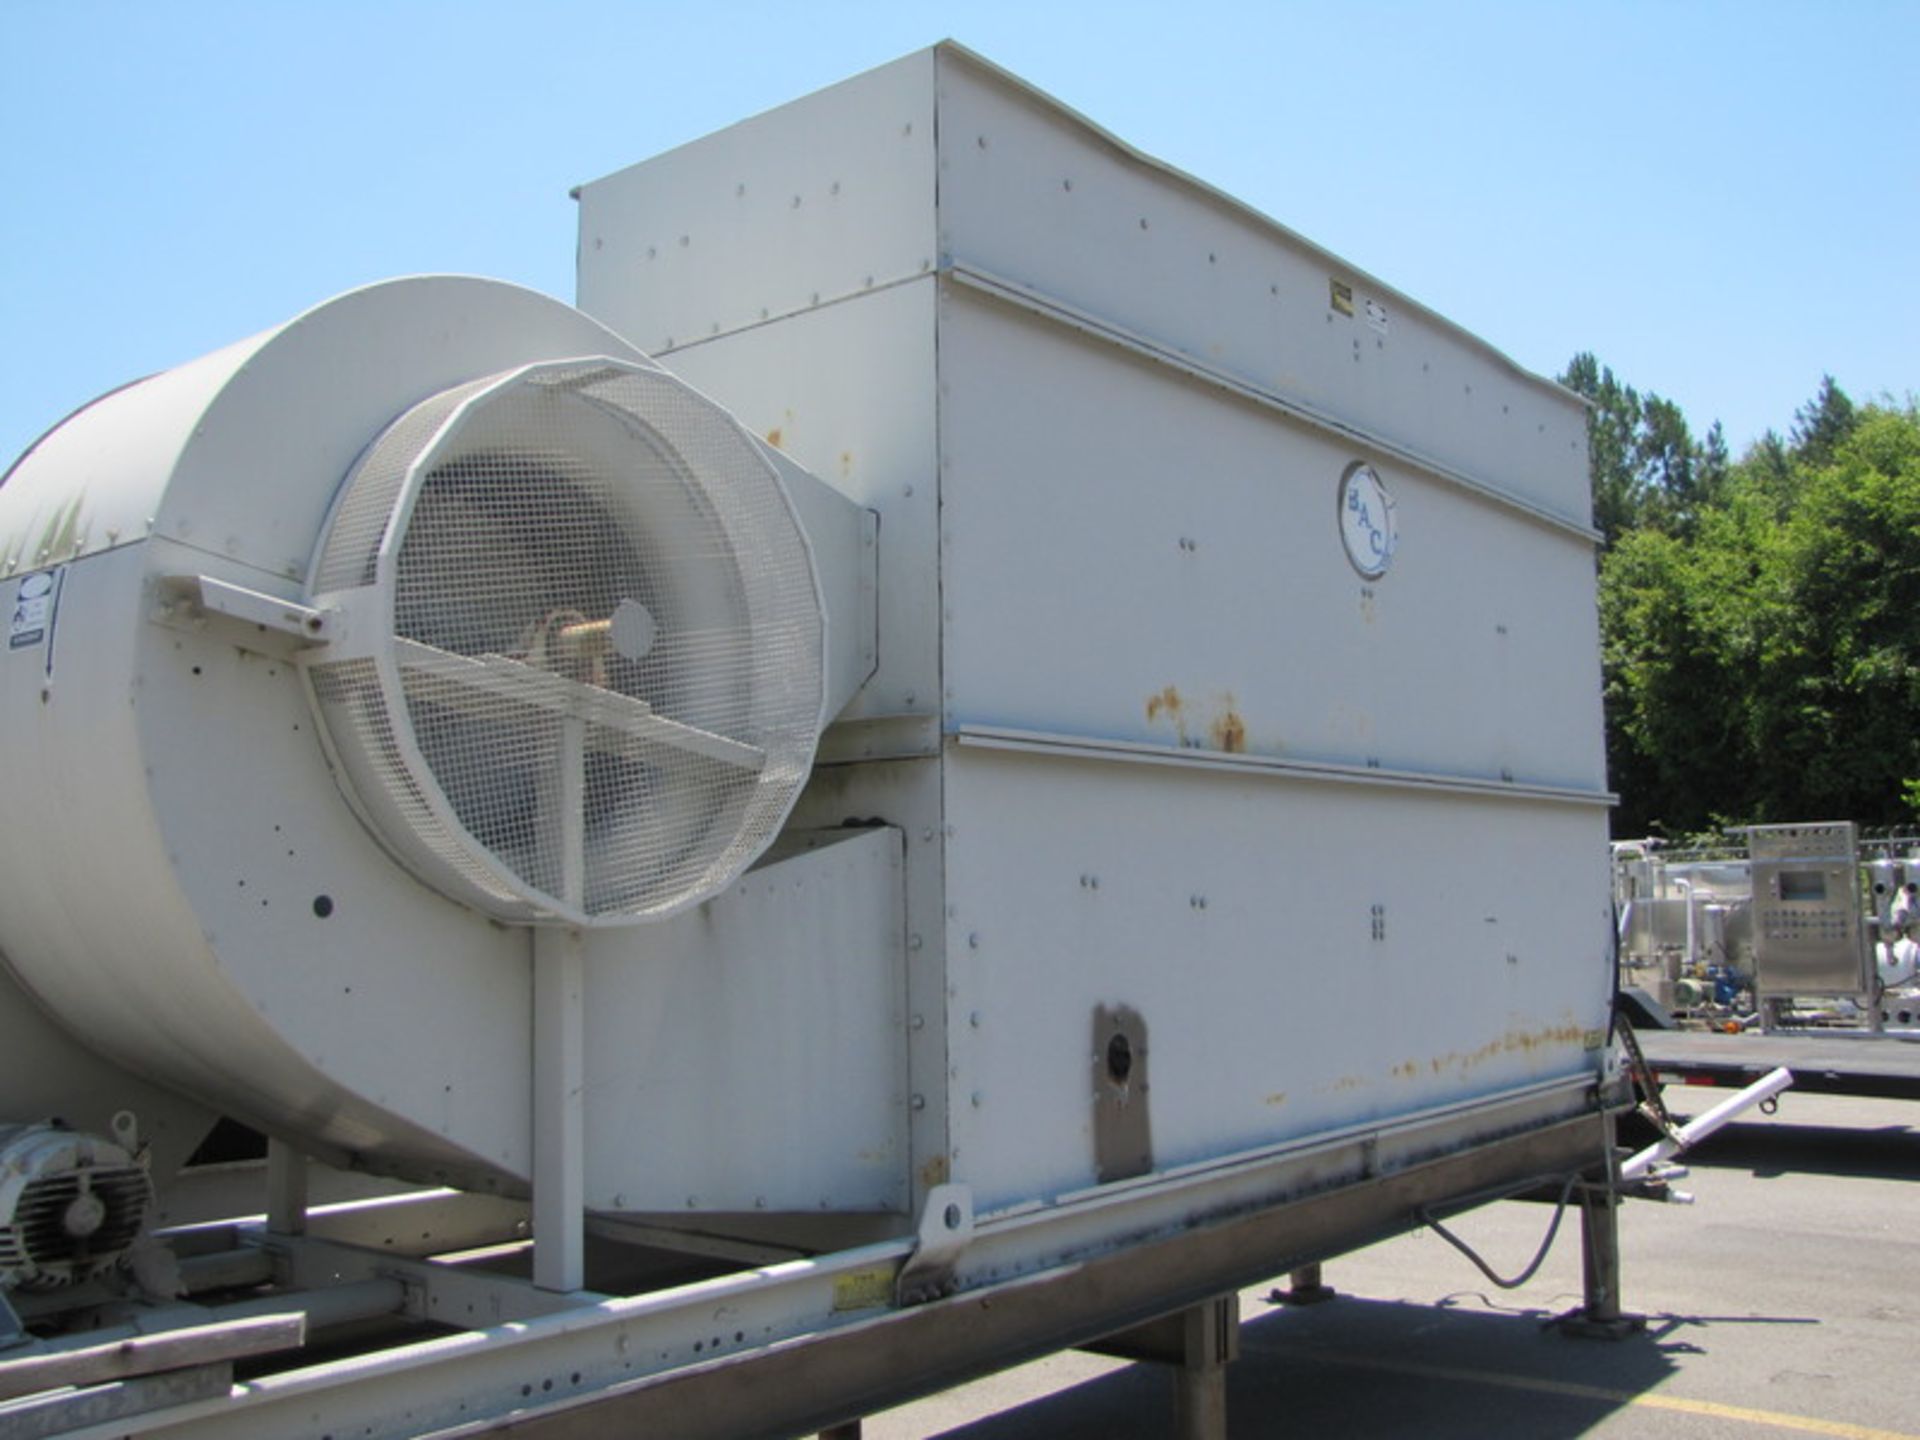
{"type": "Point", "coordinates": [33, 603]}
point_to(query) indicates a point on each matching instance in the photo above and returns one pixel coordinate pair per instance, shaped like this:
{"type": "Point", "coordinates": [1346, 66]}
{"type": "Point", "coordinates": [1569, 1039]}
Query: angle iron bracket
{"type": "Point", "coordinates": [946, 1229]}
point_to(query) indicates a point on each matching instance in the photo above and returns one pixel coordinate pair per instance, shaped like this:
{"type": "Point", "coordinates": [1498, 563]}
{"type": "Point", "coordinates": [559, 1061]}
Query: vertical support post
{"type": "Point", "coordinates": [559, 1169]}
{"type": "Point", "coordinates": [1305, 1287]}
{"type": "Point", "coordinates": [286, 1189]}
{"type": "Point", "coordinates": [559, 1006]}
{"type": "Point", "coordinates": [1211, 1342]}
{"type": "Point", "coordinates": [1600, 1244]}
{"type": "Point", "coordinates": [1600, 1316]}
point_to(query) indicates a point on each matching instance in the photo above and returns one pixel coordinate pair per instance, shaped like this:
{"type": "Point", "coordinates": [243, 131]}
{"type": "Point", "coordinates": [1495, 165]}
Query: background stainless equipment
{"type": "Point", "coordinates": [1807, 934]}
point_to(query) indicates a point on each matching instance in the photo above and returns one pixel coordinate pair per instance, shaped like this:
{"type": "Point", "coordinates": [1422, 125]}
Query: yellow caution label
{"type": "Point", "coordinates": [863, 1289]}
{"type": "Point", "coordinates": [1340, 296]}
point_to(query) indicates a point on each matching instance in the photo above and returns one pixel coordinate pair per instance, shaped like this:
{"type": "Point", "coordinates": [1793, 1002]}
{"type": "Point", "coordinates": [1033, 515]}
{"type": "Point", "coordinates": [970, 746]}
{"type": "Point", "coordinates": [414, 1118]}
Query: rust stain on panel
{"type": "Point", "coordinates": [1514, 1042]}
{"type": "Point", "coordinates": [774, 437]}
{"type": "Point", "coordinates": [935, 1172]}
{"type": "Point", "coordinates": [1170, 706]}
{"type": "Point", "coordinates": [1228, 731]}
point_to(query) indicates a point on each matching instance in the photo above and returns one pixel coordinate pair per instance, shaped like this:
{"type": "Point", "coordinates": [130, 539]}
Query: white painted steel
{"type": "Point", "coordinates": [1240, 917]}
{"type": "Point", "coordinates": [257, 949]}
{"type": "Point", "coordinates": [824, 199]}
{"type": "Point", "coordinates": [866, 424]}
{"type": "Point", "coordinates": [559, 1122]}
{"type": "Point", "coordinates": [1031, 191]}
{"type": "Point", "coordinates": [751, 1056]}
{"type": "Point", "coordinates": [1140, 432]}
{"type": "Point", "coordinates": [1130, 557]}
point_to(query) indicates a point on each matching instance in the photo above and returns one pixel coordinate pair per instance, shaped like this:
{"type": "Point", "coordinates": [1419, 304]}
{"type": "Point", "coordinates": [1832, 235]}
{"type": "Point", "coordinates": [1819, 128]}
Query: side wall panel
{"type": "Point", "coordinates": [1305, 955]}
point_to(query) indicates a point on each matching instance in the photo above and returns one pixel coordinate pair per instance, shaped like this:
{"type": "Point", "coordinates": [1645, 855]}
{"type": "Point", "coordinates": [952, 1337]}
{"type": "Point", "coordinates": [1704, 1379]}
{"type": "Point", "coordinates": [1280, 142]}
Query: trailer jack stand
{"type": "Point", "coordinates": [1304, 1287]}
{"type": "Point", "coordinates": [1600, 1316]}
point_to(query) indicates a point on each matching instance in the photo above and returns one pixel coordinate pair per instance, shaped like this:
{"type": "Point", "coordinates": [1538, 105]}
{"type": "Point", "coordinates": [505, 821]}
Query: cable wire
{"type": "Point", "coordinates": [1540, 1256]}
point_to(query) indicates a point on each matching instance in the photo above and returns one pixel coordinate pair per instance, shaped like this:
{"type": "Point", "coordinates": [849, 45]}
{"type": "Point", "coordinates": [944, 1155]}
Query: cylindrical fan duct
{"type": "Point", "coordinates": [441, 572]}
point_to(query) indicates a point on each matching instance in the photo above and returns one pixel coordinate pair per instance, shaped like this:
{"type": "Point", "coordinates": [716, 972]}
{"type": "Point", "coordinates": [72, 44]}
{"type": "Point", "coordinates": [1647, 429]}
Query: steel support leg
{"type": "Point", "coordinates": [1212, 1342]}
{"type": "Point", "coordinates": [1196, 1346]}
{"type": "Point", "coordinates": [559, 1170]}
{"type": "Point", "coordinates": [1600, 1315]}
{"type": "Point", "coordinates": [848, 1431]}
{"type": "Point", "coordinates": [1305, 1287]}
{"type": "Point", "coordinates": [286, 1189]}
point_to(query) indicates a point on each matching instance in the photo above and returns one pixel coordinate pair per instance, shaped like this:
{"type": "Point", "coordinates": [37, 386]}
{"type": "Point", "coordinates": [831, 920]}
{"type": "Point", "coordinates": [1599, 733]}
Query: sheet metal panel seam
{"type": "Point", "coordinates": [1021, 297]}
{"type": "Point", "coordinates": [826, 302]}
{"type": "Point", "coordinates": [1046, 307]}
{"type": "Point", "coordinates": [952, 50]}
{"type": "Point", "coordinates": [1080, 747]}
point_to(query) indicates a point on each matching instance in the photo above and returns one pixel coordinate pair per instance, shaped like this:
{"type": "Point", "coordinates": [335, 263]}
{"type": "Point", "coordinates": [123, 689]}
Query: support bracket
{"type": "Point", "coordinates": [946, 1228]}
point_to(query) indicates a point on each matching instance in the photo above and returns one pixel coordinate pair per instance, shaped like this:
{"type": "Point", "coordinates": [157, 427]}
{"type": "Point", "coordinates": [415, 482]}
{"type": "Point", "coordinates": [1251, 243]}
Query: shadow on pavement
{"type": "Point", "coordinates": [1889, 1152]}
{"type": "Point", "coordinates": [1375, 1368]}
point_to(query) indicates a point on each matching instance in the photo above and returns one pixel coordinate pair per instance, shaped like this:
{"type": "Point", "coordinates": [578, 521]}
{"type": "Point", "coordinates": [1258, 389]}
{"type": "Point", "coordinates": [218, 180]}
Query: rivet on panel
{"type": "Point", "coordinates": [914, 942]}
{"type": "Point", "coordinates": [973, 1019]}
{"type": "Point", "coordinates": [918, 1022]}
{"type": "Point", "coordinates": [978, 1099]}
{"type": "Point", "coordinates": [918, 1102]}
{"type": "Point", "coordinates": [973, 940]}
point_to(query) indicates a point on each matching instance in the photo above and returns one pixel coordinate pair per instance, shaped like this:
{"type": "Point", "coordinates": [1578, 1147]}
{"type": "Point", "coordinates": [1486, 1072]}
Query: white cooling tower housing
{"type": "Point", "coordinates": [341, 657]}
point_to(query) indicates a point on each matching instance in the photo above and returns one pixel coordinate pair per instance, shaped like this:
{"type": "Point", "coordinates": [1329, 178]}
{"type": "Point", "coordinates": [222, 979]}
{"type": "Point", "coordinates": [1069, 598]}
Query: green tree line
{"type": "Point", "coordinates": [1760, 618]}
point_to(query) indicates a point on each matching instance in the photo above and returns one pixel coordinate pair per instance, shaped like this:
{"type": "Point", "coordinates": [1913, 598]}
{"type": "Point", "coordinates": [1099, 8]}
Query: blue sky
{"type": "Point", "coordinates": [1722, 201]}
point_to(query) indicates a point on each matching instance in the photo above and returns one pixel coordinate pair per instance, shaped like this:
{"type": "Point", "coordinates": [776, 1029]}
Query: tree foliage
{"type": "Point", "coordinates": [1761, 620]}
{"type": "Point", "coordinates": [1647, 467]}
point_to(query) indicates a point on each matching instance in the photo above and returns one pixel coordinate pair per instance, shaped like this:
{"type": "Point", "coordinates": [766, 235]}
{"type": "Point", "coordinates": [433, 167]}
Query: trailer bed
{"type": "Point", "coordinates": [1833, 1063]}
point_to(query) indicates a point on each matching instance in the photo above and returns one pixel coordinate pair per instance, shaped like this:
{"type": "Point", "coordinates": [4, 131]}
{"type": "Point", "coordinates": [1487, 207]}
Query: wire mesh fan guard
{"type": "Point", "coordinates": [583, 673]}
